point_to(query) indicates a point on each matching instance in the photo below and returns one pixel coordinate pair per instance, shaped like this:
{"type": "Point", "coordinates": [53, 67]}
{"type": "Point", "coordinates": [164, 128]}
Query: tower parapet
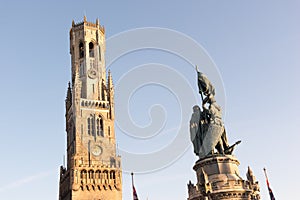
{"type": "Point", "coordinates": [88, 24]}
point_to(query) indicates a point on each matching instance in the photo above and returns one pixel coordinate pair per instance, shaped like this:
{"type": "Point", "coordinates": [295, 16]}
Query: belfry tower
{"type": "Point", "coordinates": [93, 170]}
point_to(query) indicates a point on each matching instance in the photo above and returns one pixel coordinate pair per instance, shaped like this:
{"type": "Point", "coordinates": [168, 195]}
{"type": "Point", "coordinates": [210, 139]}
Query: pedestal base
{"type": "Point", "coordinates": [218, 178]}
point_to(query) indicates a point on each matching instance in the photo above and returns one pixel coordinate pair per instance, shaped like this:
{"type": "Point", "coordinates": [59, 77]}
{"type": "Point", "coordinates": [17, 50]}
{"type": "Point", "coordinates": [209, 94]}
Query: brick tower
{"type": "Point", "coordinates": [93, 170]}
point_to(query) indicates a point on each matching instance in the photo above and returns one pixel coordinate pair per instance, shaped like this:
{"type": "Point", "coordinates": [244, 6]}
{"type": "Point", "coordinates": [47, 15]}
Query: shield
{"type": "Point", "coordinates": [211, 139]}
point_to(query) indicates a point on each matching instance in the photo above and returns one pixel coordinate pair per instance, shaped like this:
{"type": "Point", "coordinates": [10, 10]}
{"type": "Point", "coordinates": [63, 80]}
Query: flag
{"type": "Point", "coordinates": [204, 84]}
{"type": "Point", "coordinates": [135, 196]}
{"type": "Point", "coordinates": [269, 188]}
{"type": "Point", "coordinates": [270, 191]}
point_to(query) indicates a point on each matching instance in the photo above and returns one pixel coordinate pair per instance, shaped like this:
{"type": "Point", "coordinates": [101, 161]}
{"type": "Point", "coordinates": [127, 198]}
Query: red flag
{"type": "Point", "coordinates": [135, 197]}
{"type": "Point", "coordinates": [269, 188]}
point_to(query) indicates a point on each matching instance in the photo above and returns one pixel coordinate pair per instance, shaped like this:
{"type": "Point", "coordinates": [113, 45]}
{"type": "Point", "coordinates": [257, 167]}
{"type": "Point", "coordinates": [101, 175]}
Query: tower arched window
{"type": "Point", "coordinates": [112, 175]}
{"type": "Point", "coordinates": [81, 50]}
{"type": "Point", "coordinates": [97, 175]}
{"type": "Point", "coordinates": [105, 173]}
{"type": "Point", "coordinates": [99, 124]}
{"type": "Point", "coordinates": [95, 125]}
{"type": "Point", "coordinates": [91, 125]}
{"type": "Point", "coordinates": [91, 174]}
{"type": "Point", "coordinates": [83, 175]}
{"type": "Point", "coordinates": [91, 49]}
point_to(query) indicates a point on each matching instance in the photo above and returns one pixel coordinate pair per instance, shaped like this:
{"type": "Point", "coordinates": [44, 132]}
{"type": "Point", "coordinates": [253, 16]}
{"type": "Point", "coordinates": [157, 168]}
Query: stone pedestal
{"type": "Point", "coordinates": [218, 178]}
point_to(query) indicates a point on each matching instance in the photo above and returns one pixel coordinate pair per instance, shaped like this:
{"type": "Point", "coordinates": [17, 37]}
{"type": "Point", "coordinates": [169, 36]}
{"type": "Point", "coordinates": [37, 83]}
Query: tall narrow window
{"type": "Point", "coordinates": [91, 174]}
{"type": "Point", "coordinates": [99, 123]}
{"type": "Point", "coordinates": [91, 125]}
{"type": "Point", "coordinates": [81, 50]}
{"type": "Point", "coordinates": [112, 175]}
{"type": "Point", "coordinates": [99, 53]}
{"type": "Point", "coordinates": [91, 49]}
{"type": "Point", "coordinates": [97, 176]}
{"type": "Point", "coordinates": [105, 174]}
{"type": "Point", "coordinates": [103, 94]}
{"type": "Point", "coordinates": [83, 175]}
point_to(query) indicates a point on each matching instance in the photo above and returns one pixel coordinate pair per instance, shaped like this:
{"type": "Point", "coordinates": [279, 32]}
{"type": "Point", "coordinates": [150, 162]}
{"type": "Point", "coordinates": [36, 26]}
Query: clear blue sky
{"type": "Point", "coordinates": [255, 45]}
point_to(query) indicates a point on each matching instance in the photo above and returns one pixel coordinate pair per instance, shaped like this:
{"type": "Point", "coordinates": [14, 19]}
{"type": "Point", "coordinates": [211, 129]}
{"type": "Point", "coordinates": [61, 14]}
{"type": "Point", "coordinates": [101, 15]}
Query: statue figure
{"type": "Point", "coordinates": [194, 126]}
{"type": "Point", "coordinates": [207, 130]}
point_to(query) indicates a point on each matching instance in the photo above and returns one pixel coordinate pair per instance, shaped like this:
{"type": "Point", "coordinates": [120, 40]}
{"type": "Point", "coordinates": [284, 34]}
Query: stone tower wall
{"type": "Point", "coordinates": [93, 168]}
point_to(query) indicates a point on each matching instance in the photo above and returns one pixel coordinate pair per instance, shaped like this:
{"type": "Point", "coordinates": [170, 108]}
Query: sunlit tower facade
{"type": "Point", "coordinates": [93, 169]}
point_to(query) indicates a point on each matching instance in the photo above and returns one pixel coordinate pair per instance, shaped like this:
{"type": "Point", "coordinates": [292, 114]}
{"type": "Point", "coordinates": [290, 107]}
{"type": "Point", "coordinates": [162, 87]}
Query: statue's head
{"type": "Point", "coordinates": [196, 108]}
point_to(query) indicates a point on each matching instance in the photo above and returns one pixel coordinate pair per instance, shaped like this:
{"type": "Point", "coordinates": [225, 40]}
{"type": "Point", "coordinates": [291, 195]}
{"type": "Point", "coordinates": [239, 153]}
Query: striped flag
{"type": "Point", "coordinates": [135, 196]}
{"type": "Point", "coordinates": [269, 188]}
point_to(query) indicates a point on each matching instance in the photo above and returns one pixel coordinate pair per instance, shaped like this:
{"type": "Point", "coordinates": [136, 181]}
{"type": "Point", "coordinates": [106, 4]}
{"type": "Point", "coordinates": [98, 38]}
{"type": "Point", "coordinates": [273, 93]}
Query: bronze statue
{"type": "Point", "coordinates": [206, 126]}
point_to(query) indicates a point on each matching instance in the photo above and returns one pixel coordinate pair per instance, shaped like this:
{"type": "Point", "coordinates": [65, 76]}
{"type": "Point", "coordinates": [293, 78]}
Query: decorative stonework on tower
{"type": "Point", "coordinates": [217, 172]}
{"type": "Point", "coordinates": [93, 169]}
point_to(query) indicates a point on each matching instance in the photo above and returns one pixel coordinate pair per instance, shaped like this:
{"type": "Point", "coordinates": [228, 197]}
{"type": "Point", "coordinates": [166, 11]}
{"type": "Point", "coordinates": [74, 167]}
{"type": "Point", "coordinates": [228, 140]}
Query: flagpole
{"type": "Point", "coordinates": [132, 185]}
{"type": "Point", "coordinates": [132, 178]}
{"type": "Point", "coordinates": [268, 184]}
{"type": "Point", "coordinates": [265, 173]}
{"type": "Point", "coordinates": [200, 89]}
{"type": "Point", "coordinates": [135, 197]}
